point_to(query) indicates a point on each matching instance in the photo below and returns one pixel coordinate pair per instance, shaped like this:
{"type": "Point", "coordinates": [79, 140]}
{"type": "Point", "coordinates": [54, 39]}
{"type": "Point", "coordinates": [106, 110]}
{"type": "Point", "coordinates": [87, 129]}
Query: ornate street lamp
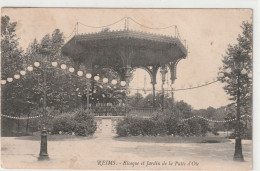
{"type": "Point", "coordinates": [238, 156]}
{"type": "Point", "coordinates": [43, 151]}
{"type": "Point", "coordinates": [238, 72]}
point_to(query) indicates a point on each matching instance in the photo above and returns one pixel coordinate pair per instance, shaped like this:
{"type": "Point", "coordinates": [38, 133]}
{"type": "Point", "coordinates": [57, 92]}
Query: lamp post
{"type": "Point", "coordinates": [238, 156]}
{"type": "Point", "coordinates": [43, 150]}
{"type": "Point", "coordinates": [237, 74]}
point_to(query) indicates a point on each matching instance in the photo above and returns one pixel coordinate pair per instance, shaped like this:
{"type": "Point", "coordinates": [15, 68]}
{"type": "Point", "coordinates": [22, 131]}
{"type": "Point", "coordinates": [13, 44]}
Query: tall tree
{"type": "Point", "coordinates": [11, 63]}
{"type": "Point", "coordinates": [236, 73]}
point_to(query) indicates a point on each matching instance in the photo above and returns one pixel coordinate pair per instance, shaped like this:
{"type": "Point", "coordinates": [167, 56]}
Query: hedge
{"type": "Point", "coordinates": [79, 123]}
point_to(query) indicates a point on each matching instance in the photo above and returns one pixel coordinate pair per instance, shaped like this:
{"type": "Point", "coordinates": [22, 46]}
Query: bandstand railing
{"type": "Point", "coordinates": [121, 110]}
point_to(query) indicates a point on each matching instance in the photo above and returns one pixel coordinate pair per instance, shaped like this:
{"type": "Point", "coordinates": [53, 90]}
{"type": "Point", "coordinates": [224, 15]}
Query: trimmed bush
{"type": "Point", "coordinates": [136, 126]}
{"type": "Point", "coordinates": [79, 123]}
{"type": "Point", "coordinates": [63, 124]}
{"type": "Point", "coordinates": [163, 124]}
{"type": "Point", "coordinates": [85, 124]}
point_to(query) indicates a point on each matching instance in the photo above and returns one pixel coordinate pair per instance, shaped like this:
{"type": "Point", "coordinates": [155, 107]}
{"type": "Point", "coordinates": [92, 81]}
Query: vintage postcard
{"type": "Point", "coordinates": [120, 89]}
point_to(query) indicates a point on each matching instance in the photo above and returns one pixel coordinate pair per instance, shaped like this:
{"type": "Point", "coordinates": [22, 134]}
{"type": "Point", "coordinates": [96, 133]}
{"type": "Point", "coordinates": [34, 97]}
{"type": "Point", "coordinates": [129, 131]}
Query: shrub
{"type": "Point", "coordinates": [81, 124]}
{"type": "Point", "coordinates": [64, 124]}
{"type": "Point", "coordinates": [166, 123]}
{"type": "Point", "coordinates": [136, 126]}
{"type": "Point", "coordinates": [85, 124]}
{"type": "Point", "coordinates": [122, 129]}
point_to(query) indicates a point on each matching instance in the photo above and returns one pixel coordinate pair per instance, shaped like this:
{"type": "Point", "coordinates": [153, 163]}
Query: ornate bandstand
{"type": "Point", "coordinates": [126, 50]}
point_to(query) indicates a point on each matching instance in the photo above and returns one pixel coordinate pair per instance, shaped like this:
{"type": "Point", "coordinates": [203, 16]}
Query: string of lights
{"type": "Point", "coordinates": [96, 78]}
{"type": "Point", "coordinates": [183, 120]}
{"type": "Point", "coordinates": [21, 118]}
{"type": "Point", "coordinates": [211, 120]}
{"type": "Point", "coordinates": [180, 89]}
{"type": "Point", "coordinates": [63, 67]}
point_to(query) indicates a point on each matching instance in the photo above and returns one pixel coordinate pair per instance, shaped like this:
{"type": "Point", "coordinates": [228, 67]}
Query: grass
{"type": "Point", "coordinates": [171, 139]}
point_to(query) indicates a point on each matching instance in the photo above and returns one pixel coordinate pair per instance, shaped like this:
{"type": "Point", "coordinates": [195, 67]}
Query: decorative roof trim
{"type": "Point", "coordinates": [130, 34]}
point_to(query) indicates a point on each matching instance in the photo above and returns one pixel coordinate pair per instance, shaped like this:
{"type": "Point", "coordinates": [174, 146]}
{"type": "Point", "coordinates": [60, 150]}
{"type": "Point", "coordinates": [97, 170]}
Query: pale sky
{"type": "Point", "coordinates": [207, 31]}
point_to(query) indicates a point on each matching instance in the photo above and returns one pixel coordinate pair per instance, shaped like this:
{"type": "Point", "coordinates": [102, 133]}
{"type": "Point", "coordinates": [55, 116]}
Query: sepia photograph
{"type": "Point", "coordinates": [127, 88]}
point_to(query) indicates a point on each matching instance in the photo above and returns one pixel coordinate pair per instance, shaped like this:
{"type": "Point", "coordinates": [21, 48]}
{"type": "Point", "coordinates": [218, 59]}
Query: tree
{"type": "Point", "coordinates": [236, 73]}
{"type": "Point", "coordinates": [11, 63]}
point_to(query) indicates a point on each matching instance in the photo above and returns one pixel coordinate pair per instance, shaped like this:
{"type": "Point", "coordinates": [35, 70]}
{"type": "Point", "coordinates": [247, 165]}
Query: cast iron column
{"type": "Point", "coordinates": [163, 74]}
{"type": "Point", "coordinates": [43, 151]}
{"type": "Point", "coordinates": [153, 94]}
{"type": "Point", "coordinates": [127, 77]}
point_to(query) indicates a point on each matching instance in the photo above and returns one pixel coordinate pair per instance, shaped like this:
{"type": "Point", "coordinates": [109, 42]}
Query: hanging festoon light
{"type": "Point", "coordinates": [3, 82]}
{"type": "Point", "coordinates": [228, 70]}
{"type": "Point", "coordinates": [63, 66]}
{"type": "Point", "coordinates": [221, 74]}
{"type": "Point", "coordinates": [88, 75]}
{"type": "Point", "coordinates": [226, 78]}
{"type": "Point", "coordinates": [16, 76]}
{"type": "Point", "coordinates": [243, 71]}
{"type": "Point", "coordinates": [114, 82]}
{"type": "Point", "coordinates": [54, 64]}
{"type": "Point", "coordinates": [122, 83]}
{"type": "Point", "coordinates": [96, 78]}
{"type": "Point", "coordinates": [9, 79]}
{"type": "Point", "coordinates": [250, 75]}
{"type": "Point", "coordinates": [36, 64]}
{"type": "Point", "coordinates": [105, 80]}
{"type": "Point", "coordinates": [71, 69]}
{"type": "Point", "coordinates": [30, 68]}
{"type": "Point", "coordinates": [22, 72]}
{"type": "Point", "coordinates": [80, 73]}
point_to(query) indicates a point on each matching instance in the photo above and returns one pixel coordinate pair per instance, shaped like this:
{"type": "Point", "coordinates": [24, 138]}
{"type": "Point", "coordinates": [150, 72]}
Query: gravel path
{"type": "Point", "coordinates": [104, 152]}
